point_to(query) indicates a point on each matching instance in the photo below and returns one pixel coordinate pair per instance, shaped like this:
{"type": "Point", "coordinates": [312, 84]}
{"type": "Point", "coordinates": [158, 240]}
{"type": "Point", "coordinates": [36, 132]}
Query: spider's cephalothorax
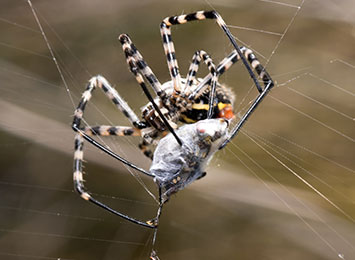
{"type": "Point", "coordinates": [182, 155]}
{"type": "Point", "coordinates": [183, 109]}
{"type": "Point", "coordinates": [222, 108]}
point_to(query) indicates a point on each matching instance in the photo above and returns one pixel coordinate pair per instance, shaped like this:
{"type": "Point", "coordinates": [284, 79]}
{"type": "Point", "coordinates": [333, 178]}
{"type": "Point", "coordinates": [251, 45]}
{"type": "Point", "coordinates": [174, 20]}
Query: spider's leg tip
{"type": "Point", "coordinates": [153, 222]}
{"type": "Point", "coordinates": [123, 38]}
{"type": "Point", "coordinates": [153, 255]}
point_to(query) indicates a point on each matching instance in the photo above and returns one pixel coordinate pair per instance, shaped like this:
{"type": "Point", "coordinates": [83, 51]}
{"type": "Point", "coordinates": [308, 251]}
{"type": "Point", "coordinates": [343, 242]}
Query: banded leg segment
{"type": "Point", "coordinates": [260, 70]}
{"type": "Point", "coordinates": [247, 114]}
{"type": "Point", "coordinates": [131, 51]}
{"type": "Point", "coordinates": [112, 94]}
{"type": "Point", "coordinates": [143, 146]}
{"type": "Point", "coordinates": [135, 70]}
{"type": "Point", "coordinates": [222, 67]}
{"type": "Point", "coordinates": [196, 59]}
{"type": "Point", "coordinates": [170, 50]}
{"type": "Point", "coordinates": [108, 130]}
{"type": "Point", "coordinates": [195, 63]}
{"type": "Point", "coordinates": [268, 84]}
{"type": "Point", "coordinates": [84, 133]}
{"type": "Point", "coordinates": [227, 63]}
{"type": "Point", "coordinates": [80, 188]}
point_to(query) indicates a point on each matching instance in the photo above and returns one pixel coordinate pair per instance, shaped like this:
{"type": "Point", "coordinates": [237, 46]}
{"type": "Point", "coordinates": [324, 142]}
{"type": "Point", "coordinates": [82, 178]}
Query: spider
{"type": "Point", "coordinates": [203, 104]}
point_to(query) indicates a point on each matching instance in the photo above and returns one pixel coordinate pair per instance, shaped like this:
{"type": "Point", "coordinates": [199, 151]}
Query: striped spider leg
{"type": "Point", "coordinates": [221, 93]}
{"type": "Point", "coordinates": [141, 70]}
{"type": "Point", "coordinates": [87, 132]}
{"type": "Point", "coordinates": [268, 84]}
{"type": "Point", "coordinates": [132, 53]}
{"type": "Point", "coordinates": [227, 63]}
{"type": "Point", "coordinates": [223, 66]}
{"type": "Point", "coordinates": [196, 59]}
{"type": "Point", "coordinates": [165, 29]}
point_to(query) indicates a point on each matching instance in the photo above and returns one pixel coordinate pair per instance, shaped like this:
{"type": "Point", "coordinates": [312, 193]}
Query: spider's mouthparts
{"type": "Point", "coordinates": [226, 112]}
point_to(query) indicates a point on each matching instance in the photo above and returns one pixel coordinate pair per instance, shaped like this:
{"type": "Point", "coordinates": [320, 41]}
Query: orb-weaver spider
{"type": "Point", "coordinates": [187, 100]}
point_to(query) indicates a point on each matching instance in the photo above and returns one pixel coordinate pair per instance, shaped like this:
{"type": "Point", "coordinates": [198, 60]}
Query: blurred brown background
{"type": "Point", "coordinates": [249, 206]}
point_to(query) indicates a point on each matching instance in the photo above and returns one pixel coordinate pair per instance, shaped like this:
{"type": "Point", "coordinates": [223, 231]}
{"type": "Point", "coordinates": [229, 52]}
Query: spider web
{"type": "Point", "coordinates": [284, 186]}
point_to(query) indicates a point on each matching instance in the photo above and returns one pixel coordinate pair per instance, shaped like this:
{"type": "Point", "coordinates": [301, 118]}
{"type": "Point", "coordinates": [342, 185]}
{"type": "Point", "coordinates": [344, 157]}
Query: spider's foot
{"type": "Point", "coordinates": [202, 175]}
{"type": "Point", "coordinates": [153, 222]}
{"type": "Point", "coordinates": [154, 256]}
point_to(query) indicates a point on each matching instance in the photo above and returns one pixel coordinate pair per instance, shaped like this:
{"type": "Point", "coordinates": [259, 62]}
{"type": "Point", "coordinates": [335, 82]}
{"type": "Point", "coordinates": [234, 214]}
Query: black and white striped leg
{"type": "Point", "coordinates": [131, 52]}
{"type": "Point", "coordinates": [84, 133]}
{"type": "Point", "coordinates": [136, 72]}
{"type": "Point", "coordinates": [170, 50]}
{"type": "Point", "coordinates": [222, 67]}
{"type": "Point", "coordinates": [227, 63]}
{"type": "Point", "coordinates": [140, 69]}
{"type": "Point", "coordinates": [259, 69]}
{"type": "Point", "coordinates": [79, 182]}
{"type": "Point", "coordinates": [143, 146]}
{"type": "Point", "coordinates": [245, 117]}
{"type": "Point", "coordinates": [268, 84]}
{"type": "Point", "coordinates": [196, 59]}
{"type": "Point", "coordinates": [108, 130]}
{"type": "Point", "coordinates": [112, 94]}
{"type": "Point", "coordinates": [88, 131]}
